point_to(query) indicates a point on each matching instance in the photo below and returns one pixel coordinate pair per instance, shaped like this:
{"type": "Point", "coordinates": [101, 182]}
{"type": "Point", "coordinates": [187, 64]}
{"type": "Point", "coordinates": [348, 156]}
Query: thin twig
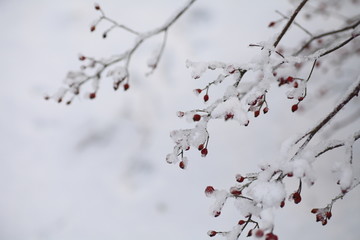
{"type": "Point", "coordinates": [292, 18]}
{"type": "Point", "coordinates": [310, 134]}
{"type": "Point", "coordinates": [102, 65]}
{"type": "Point", "coordinates": [295, 23]}
{"type": "Point", "coordinates": [334, 145]}
{"type": "Point", "coordinates": [339, 46]}
{"type": "Point", "coordinates": [326, 34]}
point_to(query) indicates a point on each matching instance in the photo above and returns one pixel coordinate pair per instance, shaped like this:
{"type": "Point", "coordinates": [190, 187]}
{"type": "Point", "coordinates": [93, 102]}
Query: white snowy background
{"type": "Point", "coordinates": [96, 169]}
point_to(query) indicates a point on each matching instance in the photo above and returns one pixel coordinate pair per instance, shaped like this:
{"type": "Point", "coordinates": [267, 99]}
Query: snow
{"type": "Point", "coordinates": [96, 169]}
{"type": "Point", "coordinates": [268, 194]}
{"type": "Point", "coordinates": [344, 173]}
{"type": "Point", "coordinates": [231, 106]}
{"type": "Point", "coordinates": [220, 198]}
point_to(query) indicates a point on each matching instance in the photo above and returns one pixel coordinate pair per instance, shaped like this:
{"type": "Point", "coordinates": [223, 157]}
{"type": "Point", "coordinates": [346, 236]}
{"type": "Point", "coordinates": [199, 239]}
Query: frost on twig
{"type": "Point", "coordinates": [116, 66]}
{"type": "Point", "coordinates": [258, 195]}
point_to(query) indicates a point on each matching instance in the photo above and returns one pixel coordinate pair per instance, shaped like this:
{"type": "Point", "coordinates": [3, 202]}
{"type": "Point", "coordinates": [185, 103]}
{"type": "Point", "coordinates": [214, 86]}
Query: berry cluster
{"type": "Point", "coordinates": [257, 104]}
{"type": "Point", "coordinates": [322, 214]}
{"type": "Point", "coordinates": [199, 91]}
{"type": "Point", "coordinates": [298, 93]}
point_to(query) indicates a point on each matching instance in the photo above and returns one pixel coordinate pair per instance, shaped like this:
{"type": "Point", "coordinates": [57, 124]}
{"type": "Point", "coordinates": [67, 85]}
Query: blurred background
{"type": "Point", "coordinates": [96, 169]}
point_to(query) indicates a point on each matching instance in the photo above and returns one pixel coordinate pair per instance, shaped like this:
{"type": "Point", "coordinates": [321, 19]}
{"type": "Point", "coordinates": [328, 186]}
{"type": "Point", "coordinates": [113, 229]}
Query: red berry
{"type": "Point", "coordinates": [180, 114]}
{"type": "Point", "coordinates": [209, 190]}
{"type": "Point", "coordinates": [239, 178]}
{"type": "Point", "coordinates": [182, 165]}
{"type": "Point", "coordinates": [294, 108]}
{"type": "Point", "coordinates": [282, 204]}
{"type": "Point", "coordinates": [97, 7]}
{"type": "Point", "coordinates": [204, 152]}
{"type": "Point", "coordinates": [92, 95]}
{"type": "Point", "coordinates": [271, 24]}
{"type": "Point", "coordinates": [241, 222]}
{"type": "Point", "coordinates": [229, 116]}
{"type": "Point", "coordinates": [300, 99]}
{"type": "Point", "coordinates": [328, 215]}
{"type": "Point", "coordinates": [196, 117]}
{"type": "Point", "coordinates": [265, 110]}
{"type": "Point", "coordinates": [319, 217]}
{"type": "Point", "coordinates": [253, 103]}
{"type": "Point", "coordinates": [259, 233]}
{"type": "Point", "coordinates": [235, 191]}
{"type": "Point", "coordinates": [92, 28]}
{"type": "Point", "coordinates": [200, 147]}
{"type": "Point", "coordinates": [206, 97]}
{"type": "Point", "coordinates": [290, 174]}
{"type": "Point", "coordinates": [249, 233]}
{"type": "Point", "coordinates": [212, 233]}
{"type": "Point", "coordinates": [290, 79]}
{"type": "Point", "coordinates": [82, 58]}
{"type": "Point", "coordinates": [126, 86]}
{"type": "Point", "coordinates": [314, 210]}
{"type": "Point", "coordinates": [46, 97]}
{"type": "Point", "coordinates": [198, 91]}
{"type": "Point", "coordinates": [271, 236]}
{"type": "Point", "coordinates": [217, 213]}
{"type": "Point", "coordinates": [296, 85]}
{"type": "Point", "coordinates": [297, 197]}
{"type": "Point", "coordinates": [231, 69]}
{"type": "Point", "coordinates": [324, 222]}
{"type": "Point", "coordinates": [256, 113]}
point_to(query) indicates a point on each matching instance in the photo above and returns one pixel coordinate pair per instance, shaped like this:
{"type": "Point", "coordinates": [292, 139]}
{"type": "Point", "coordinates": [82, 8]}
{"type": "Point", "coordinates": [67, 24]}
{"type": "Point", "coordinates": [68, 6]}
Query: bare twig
{"type": "Point", "coordinates": [337, 144]}
{"type": "Point", "coordinates": [288, 24]}
{"type": "Point", "coordinates": [354, 25]}
{"type": "Point", "coordinates": [77, 79]}
{"type": "Point", "coordinates": [295, 23]}
{"type": "Point", "coordinates": [354, 91]}
{"type": "Point", "coordinates": [339, 46]}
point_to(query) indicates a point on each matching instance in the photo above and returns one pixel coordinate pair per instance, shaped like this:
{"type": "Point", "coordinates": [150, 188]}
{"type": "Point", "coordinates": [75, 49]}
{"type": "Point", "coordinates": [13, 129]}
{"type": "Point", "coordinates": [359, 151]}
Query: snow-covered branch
{"type": "Point", "coordinates": [93, 70]}
{"type": "Point", "coordinates": [257, 195]}
{"type": "Point", "coordinates": [242, 98]}
{"type": "Point", "coordinates": [353, 92]}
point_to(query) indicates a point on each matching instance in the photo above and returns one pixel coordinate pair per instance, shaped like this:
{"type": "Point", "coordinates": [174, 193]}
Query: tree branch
{"type": "Point", "coordinates": [354, 91]}
{"type": "Point", "coordinates": [121, 75]}
{"type": "Point", "coordinates": [327, 34]}
{"type": "Point", "coordinates": [292, 18]}
{"type": "Point", "coordinates": [334, 145]}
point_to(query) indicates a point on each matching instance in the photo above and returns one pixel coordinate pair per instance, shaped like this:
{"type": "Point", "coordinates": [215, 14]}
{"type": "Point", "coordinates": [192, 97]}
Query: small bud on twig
{"type": "Point", "coordinates": [97, 6]}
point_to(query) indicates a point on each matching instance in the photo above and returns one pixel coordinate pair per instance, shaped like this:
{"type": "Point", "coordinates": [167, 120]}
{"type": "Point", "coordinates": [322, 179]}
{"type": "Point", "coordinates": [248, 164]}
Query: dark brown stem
{"type": "Point", "coordinates": [354, 92]}
{"type": "Point", "coordinates": [336, 145]}
{"type": "Point", "coordinates": [292, 18]}
{"type": "Point", "coordinates": [312, 69]}
{"type": "Point", "coordinates": [295, 23]}
{"type": "Point", "coordinates": [126, 56]}
{"type": "Point", "coordinates": [339, 46]}
{"type": "Point", "coordinates": [327, 34]}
